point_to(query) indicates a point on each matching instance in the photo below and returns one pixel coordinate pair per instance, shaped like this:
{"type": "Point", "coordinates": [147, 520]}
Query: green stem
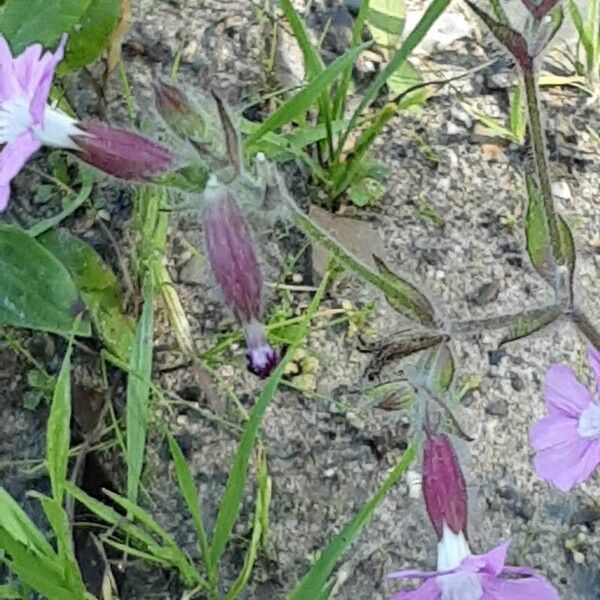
{"type": "Point", "coordinates": [538, 143]}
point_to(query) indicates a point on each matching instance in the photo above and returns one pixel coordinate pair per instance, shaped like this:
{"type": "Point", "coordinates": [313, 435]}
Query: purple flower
{"type": "Point", "coordinates": [567, 441]}
{"type": "Point", "coordinates": [27, 123]}
{"type": "Point", "coordinates": [461, 575]}
{"type": "Point", "coordinates": [233, 260]}
{"type": "Point", "coordinates": [477, 577]}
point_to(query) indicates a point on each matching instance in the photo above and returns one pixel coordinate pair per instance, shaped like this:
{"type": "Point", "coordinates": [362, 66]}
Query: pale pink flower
{"type": "Point", "coordinates": [232, 256]}
{"type": "Point", "coordinates": [27, 123]}
{"type": "Point", "coordinates": [461, 575]}
{"type": "Point", "coordinates": [567, 441]}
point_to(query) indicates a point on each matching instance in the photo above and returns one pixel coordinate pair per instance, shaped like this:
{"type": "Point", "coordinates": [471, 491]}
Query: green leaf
{"type": "Point", "coordinates": [24, 22]}
{"type": "Point", "coordinates": [539, 244]}
{"type": "Point", "coordinates": [312, 584]}
{"type": "Point", "coordinates": [437, 367]}
{"type": "Point", "coordinates": [98, 286]}
{"type": "Point", "coordinates": [188, 490]}
{"type": "Point", "coordinates": [306, 97]}
{"type": "Point", "coordinates": [10, 592]}
{"type": "Point", "coordinates": [138, 392]}
{"type": "Point", "coordinates": [530, 322]}
{"type": "Point", "coordinates": [58, 437]}
{"type": "Point", "coordinates": [582, 31]}
{"type": "Point", "coordinates": [518, 119]}
{"type": "Point", "coordinates": [36, 290]}
{"type": "Point", "coordinates": [411, 302]}
{"type": "Point", "coordinates": [366, 191]}
{"type": "Point", "coordinates": [405, 78]}
{"type": "Point", "coordinates": [91, 37]}
{"type": "Point", "coordinates": [385, 20]}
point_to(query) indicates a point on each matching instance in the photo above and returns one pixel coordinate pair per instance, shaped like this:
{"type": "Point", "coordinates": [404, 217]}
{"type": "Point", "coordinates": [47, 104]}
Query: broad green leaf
{"type": "Point", "coordinates": [98, 286]}
{"type": "Point", "coordinates": [24, 22]}
{"type": "Point", "coordinates": [138, 393]}
{"type": "Point", "coordinates": [404, 79]}
{"type": "Point", "coordinates": [10, 592]}
{"type": "Point", "coordinates": [385, 19]}
{"type": "Point", "coordinates": [36, 290]}
{"type": "Point", "coordinates": [312, 584]}
{"type": "Point", "coordinates": [91, 37]}
{"type": "Point", "coordinates": [58, 437]}
{"type": "Point", "coordinates": [411, 302]}
{"type": "Point", "coordinates": [189, 492]}
{"type": "Point", "coordinates": [306, 97]}
{"type": "Point", "coordinates": [539, 245]}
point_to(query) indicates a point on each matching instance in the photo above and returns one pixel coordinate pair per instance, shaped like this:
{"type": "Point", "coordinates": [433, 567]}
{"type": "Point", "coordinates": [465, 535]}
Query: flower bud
{"type": "Point", "coordinates": [232, 256]}
{"type": "Point", "coordinates": [122, 153]}
{"type": "Point", "coordinates": [444, 486]}
{"type": "Point", "coordinates": [178, 112]}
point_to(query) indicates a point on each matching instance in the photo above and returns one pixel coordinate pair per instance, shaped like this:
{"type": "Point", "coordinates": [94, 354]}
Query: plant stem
{"type": "Point", "coordinates": [538, 143]}
{"type": "Point", "coordinates": [587, 327]}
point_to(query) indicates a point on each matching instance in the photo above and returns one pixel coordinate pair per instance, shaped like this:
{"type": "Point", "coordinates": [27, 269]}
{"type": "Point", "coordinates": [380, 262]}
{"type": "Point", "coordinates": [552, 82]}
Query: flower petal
{"type": "Point", "coordinates": [529, 588]}
{"type": "Point", "coordinates": [7, 81]}
{"type": "Point", "coordinates": [428, 591]}
{"type": "Point", "coordinates": [15, 154]}
{"type": "Point", "coordinates": [40, 95]}
{"type": "Point", "coordinates": [491, 562]}
{"type": "Point", "coordinates": [460, 586]}
{"type": "Point", "coordinates": [563, 392]}
{"type": "Point", "coordinates": [565, 465]}
{"type": "Point", "coordinates": [4, 196]}
{"type": "Point", "coordinates": [594, 360]}
{"type": "Point", "coordinates": [554, 430]}
{"type": "Point", "coordinates": [28, 68]}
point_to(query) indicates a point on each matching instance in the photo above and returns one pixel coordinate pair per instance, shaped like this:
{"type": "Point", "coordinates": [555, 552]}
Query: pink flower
{"type": "Point", "coordinates": [567, 441]}
{"type": "Point", "coordinates": [27, 123]}
{"type": "Point", "coordinates": [233, 260]}
{"type": "Point", "coordinates": [461, 575]}
{"type": "Point", "coordinates": [478, 577]}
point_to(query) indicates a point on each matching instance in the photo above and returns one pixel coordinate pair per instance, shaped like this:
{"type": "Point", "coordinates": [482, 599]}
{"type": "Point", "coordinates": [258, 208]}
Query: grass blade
{"type": "Point", "coordinates": [59, 432]}
{"type": "Point", "coordinates": [188, 490]}
{"type": "Point", "coordinates": [312, 584]}
{"type": "Point", "coordinates": [138, 392]}
{"type": "Point", "coordinates": [306, 97]}
{"type": "Point", "coordinates": [234, 488]}
{"type": "Point", "coordinates": [435, 9]}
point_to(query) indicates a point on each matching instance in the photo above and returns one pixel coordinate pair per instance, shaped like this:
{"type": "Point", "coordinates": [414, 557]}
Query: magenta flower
{"type": "Point", "coordinates": [27, 123]}
{"type": "Point", "coordinates": [567, 441]}
{"type": "Point", "coordinates": [233, 260]}
{"type": "Point", "coordinates": [461, 575]}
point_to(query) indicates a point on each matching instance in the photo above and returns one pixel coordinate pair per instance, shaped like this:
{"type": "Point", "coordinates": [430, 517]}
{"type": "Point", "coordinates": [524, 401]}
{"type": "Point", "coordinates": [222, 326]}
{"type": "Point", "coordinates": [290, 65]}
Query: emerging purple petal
{"type": "Point", "coordinates": [444, 486]}
{"type": "Point", "coordinates": [122, 153]}
{"type": "Point", "coordinates": [529, 588]}
{"type": "Point", "coordinates": [261, 357]}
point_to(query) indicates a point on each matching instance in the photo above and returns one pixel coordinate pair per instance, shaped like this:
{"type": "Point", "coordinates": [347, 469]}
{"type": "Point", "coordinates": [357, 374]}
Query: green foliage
{"type": "Point", "coordinates": [314, 584]}
{"type": "Point", "coordinates": [138, 392]}
{"type": "Point", "coordinates": [98, 286]}
{"type": "Point", "coordinates": [588, 30]}
{"type": "Point", "coordinates": [89, 24]}
{"type": "Point", "coordinates": [36, 290]}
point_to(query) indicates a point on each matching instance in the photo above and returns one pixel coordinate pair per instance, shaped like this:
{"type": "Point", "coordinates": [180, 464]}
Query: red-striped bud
{"type": "Point", "coordinates": [444, 486]}
{"type": "Point", "coordinates": [232, 255]}
{"type": "Point", "coordinates": [122, 153]}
